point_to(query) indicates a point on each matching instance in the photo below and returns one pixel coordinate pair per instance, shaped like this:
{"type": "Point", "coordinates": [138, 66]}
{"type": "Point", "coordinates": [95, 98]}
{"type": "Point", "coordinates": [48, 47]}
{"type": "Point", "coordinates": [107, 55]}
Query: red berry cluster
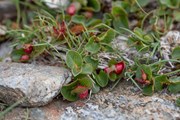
{"type": "Point", "coordinates": [117, 68]}
{"type": "Point", "coordinates": [83, 94]}
{"type": "Point", "coordinates": [27, 48]}
{"type": "Point", "coordinates": [60, 31]}
{"type": "Point", "coordinates": [143, 80]}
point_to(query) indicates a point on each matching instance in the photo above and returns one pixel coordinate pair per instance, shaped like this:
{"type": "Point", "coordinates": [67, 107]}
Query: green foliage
{"type": "Point", "coordinates": [79, 19]}
{"type": "Point", "coordinates": [66, 91]}
{"type": "Point", "coordinates": [70, 91]}
{"type": "Point", "coordinates": [90, 60]}
{"type": "Point", "coordinates": [83, 38]}
{"type": "Point", "coordinates": [176, 15]}
{"type": "Point", "coordinates": [92, 46]}
{"type": "Point", "coordinates": [120, 18]}
{"type": "Point", "coordinates": [174, 87]}
{"type": "Point", "coordinates": [171, 3]}
{"type": "Point", "coordinates": [95, 88]}
{"type": "Point", "coordinates": [16, 55]}
{"type": "Point", "coordinates": [87, 69]}
{"type": "Point", "coordinates": [175, 53]}
{"type": "Point", "coordinates": [108, 36]}
{"type": "Point", "coordinates": [178, 102]}
{"type": "Point", "coordinates": [148, 90]}
{"type": "Point", "coordinates": [93, 5]}
{"type": "Point", "coordinates": [102, 79]}
{"type": "Point", "coordinates": [160, 81]}
{"type": "Point", "coordinates": [74, 61]}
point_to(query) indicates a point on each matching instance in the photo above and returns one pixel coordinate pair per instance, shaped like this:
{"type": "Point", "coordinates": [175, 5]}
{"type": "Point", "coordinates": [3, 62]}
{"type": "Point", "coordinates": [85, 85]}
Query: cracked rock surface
{"type": "Point", "coordinates": [38, 84]}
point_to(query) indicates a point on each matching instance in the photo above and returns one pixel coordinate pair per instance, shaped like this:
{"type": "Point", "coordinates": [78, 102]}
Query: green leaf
{"type": "Point", "coordinates": [113, 76]}
{"type": "Point", "coordinates": [148, 38]}
{"type": "Point", "coordinates": [78, 90]}
{"type": "Point", "coordinates": [93, 5]}
{"type": "Point", "coordinates": [148, 71]}
{"type": "Point", "coordinates": [176, 53]}
{"type": "Point", "coordinates": [174, 79]}
{"type": "Point", "coordinates": [143, 2]}
{"type": "Point", "coordinates": [92, 22]}
{"type": "Point", "coordinates": [92, 46]}
{"type": "Point", "coordinates": [138, 32]}
{"type": "Point", "coordinates": [170, 3]}
{"type": "Point", "coordinates": [148, 90]}
{"type": "Point", "coordinates": [138, 72]}
{"type": "Point", "coordinates": [112, 62]}
{"type": "Point", "coordinates": [66, 91]}
{"type": "Point", "coordinates": [95, 88]}
{"type": "Point", "coordinates": [178, 102]}
{"type": "Point", "coordinates": [118, 12]}
{"type": "Point", "coordinates": [102, 79]}
{"type": "Point", "coordinates": [107, 18]}
{"type": "Point", "coordinates": [16, 55]}
{"type": "Point", "coordinates": [159, 81]}
{"type": "Point", "coordinates": [174, 87]}
{"type": "Point", "coordinates": [79, 19]}
{"type": "Point", "coordinates": [123, 4]}
{"type": "Point", "coordinates": [73, 59]}
{"type": "Point", "coordinates": [83, 2]}
{"type": "Point", "coordinates": [107, 47]}
{"type": "Point", "coordinates": [86, 82]}
{"type": "Point", "coordinates": [90, 60]}
{"type": "Point", "coordinates": [87, 69]}
{"type": "Point", "coordinates": [120, 18]}
{"type": "Point", "coordinates": [76, 71]}
{"type": "Point", "coordinates": [108, 36]}
{"type": "Point", "coordinates": [38, 50]}
{"type": "Point", "coordinates": [176, 15]}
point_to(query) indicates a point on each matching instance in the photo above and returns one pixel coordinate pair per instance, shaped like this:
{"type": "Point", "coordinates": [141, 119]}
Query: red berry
{"type": "Point", "coordinates": [83, 95]}
{"type": "Point", "coordinates": [24, 58]}
{"type": "Point", "coordinates": [88, 14]}
{"type": "Point", "coordinates": [119, 67]}
{"type": "Point", "coordinates": [143, 75]}
{"type": "Point", "coordinates": [82, 91]}
{"type": "Point", "coordinates": [106, 69]}
{"type": "Point", "coordinates": [71, 10]}
{"type": "Point", "coordinates": [55, 30]}
{"type": "Point", "coordinates": [60, 30]}
{"type": "Point", "coordinates": [143, 82]}
{"type": "Point", "coordinates": [28, 48]}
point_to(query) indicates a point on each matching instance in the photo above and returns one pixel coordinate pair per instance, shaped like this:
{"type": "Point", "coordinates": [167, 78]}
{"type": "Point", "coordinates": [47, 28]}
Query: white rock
{"type": "Point", "coordinates": [39, 84]}
{"type": "Point", "coordinates": [168, 43]}
{"type": "Point", "coordinates": [56, 3]}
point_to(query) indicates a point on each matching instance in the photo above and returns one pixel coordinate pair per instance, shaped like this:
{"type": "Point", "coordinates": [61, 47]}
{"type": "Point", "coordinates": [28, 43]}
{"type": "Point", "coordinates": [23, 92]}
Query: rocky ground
{"type": "Point", "coordinates": [125, 102]}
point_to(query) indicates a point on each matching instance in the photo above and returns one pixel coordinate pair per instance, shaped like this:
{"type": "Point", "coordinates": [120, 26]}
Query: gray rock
{"type": "Point", "coordinates": [168, 43]}
{"type": "Point", "coordinates": [3, 32]}
{"type": "Point", "coordinates": [119, 104]}
{"type": "Point", "coordinates": [5, 51]}
{"type": "Point", "coordinates": [39, 84]}
{"type": "Point", "coordinates": [69, 114]}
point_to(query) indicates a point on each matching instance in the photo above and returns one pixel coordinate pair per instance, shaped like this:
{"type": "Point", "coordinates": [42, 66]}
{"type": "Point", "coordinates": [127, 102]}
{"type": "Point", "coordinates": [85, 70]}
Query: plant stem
{"type": "Point", "coordinates": [130, 77]}
{"type": "Point", "coordinates": [162, 61]}
{"type": "Point", "coordinates": [172, 72]}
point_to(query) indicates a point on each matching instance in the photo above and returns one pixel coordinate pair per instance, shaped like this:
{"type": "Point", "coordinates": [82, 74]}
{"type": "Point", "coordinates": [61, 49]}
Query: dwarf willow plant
{"type": "Point", "coordinates": [85, 38]}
